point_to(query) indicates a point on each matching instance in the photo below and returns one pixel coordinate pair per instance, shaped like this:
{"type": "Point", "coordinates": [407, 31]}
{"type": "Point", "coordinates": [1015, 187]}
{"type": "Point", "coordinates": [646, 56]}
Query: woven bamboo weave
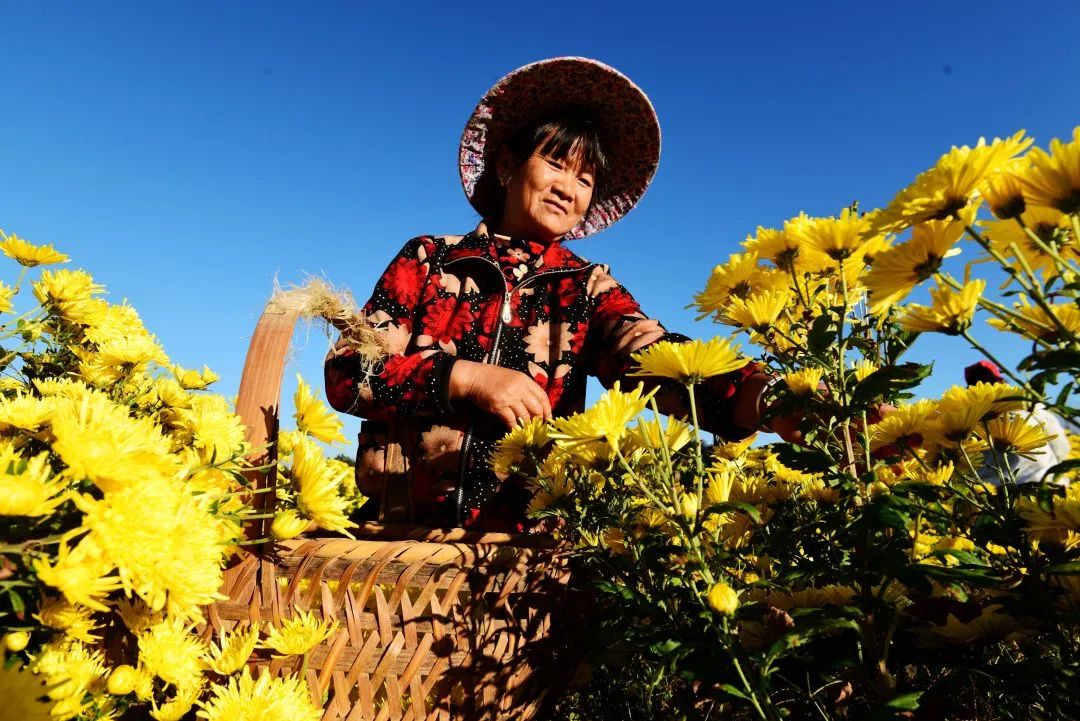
{"type": "Point", "coordinates": [432, 624]}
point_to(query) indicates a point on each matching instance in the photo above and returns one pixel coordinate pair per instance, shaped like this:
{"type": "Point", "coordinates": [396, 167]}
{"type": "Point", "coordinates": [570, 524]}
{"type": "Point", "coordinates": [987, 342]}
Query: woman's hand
{"type": "Point", "coordinates": [510, 395]}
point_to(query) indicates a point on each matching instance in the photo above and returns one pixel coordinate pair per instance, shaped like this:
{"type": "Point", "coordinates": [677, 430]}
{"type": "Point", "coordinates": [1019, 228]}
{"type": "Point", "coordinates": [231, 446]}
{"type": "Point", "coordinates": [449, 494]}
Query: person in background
{"type": "Point", "coordinates": [1024, 470]}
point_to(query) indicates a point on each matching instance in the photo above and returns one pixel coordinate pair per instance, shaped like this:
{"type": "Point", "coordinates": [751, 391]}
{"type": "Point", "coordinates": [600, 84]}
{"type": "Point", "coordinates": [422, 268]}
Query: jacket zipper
{"type": "Point", "coordinates": [492, 358]}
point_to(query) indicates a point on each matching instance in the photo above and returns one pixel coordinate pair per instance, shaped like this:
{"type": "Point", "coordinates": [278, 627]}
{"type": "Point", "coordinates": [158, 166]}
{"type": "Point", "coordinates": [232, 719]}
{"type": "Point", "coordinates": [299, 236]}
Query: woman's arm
{"type": "Point", "coordinates": [405, 384]}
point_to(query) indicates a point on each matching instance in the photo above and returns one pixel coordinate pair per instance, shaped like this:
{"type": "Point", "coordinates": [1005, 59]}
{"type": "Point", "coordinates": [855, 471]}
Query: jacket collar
{"type": "Point", "coordinates": [480, 244]}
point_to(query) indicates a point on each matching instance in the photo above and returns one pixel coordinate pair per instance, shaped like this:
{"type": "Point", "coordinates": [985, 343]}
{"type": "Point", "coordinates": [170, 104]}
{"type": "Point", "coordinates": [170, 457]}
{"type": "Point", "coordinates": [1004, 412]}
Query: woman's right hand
{"type": "Point", "coordinates": [508, 394]}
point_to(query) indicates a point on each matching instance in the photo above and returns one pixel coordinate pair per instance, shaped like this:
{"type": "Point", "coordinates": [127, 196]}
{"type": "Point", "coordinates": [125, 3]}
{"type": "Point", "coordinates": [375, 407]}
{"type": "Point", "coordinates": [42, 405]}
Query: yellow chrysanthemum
{"type": "Point", "coordinates": [907, 426]}
{"type": "Point", "coordinates": [26, 485]}
{"type": "Point", "coordinates": [108, 321]}
{"type": "Point", "coordinates": [1016, 433]}
{"type": "Point", "coordinates": [136, 615]}
{"type": "Point", "coordinates": [82, 574]}
{"type": "Point", "coordinates": [319, 487]}
{"type": "Point", "coordinates": [784, 249]}
{"type": "Point", "coordinates": [733, 450]}
{"type": "Point", "coordinates": [70, 670]}
{"type": "Point", "coordinates": [313, 417]}
{"type": "Point", "coordinates": [946, 189]}
{"type": "Point", "coordinates": [1004, 192]}
{"type": "Point", "coordinates": [815, 597]}
{"type": "Point", "coordinates": [652, 433]}
{"type": "Point", "coordinates": [549, 493]}
{"type": "Point", "coordinates": [1035, 323]}
{"type": "Point", "coordinates": [193, 380]}
{"type": "Point", "coordinates": [1053, 179]}
{"type": "Point", "coordinates": [896, 271]}
{"type": "Point", "coordinates": [723, 599]}
{"type": "Point", "coordinates": [233, 650]}
{"type": "Point", "coordinates": [689, 362]}
{"type": "Point", "coordinates": [100, 440]}
{"type": "Point", "coordinates": [267, 699]}
{"type": "Point", "coordinates": [172, 651]}
{"type": "Point", "coordinates": [67, 293]}
{"type": "Point", "coordinates": [951, 313]}
{"type": "Point", "coordinates": [863, 369]}
{"type": "Point", "coordinates": [210, 426]}
{"type": "Point", "coordinates": [28, 254]}
{"type": "Point", "coordinates": [297, 635]}
{"type": "Point", "coordinates": [756, 312]}
{"type": "Point", "coordinates": [805, 381]}
{"type": "Point", "coordinates": [512, 449]}
{"type": "Point", "coordinates": [7, 295]}
{"type": "Point", "coordinates": [961, 410]}
{"type": "Point", "coordinates": [990, 623]}
{"type": "Point", "coordinates": [177, 707]}
{"type": "Point", "coordinates": [606, 420]}
{"type": "Point", "coordinates": [738, 278]}
{"type": "Point", "coordinates": [163, 539]}
{"type": "Point", "coordinates": [1051, 226]}
{"type": "Point", "coordinates": [74, 620]}
{"type": "Point", "coordinates": [1057, 523]}
{"type": "Point", "coordinates": [25, 412]}
{"type": "Point", "coordinates": [837, 237]}
{"type": "Point", "coordinates": [132, 353]}
{"type": "Point", "coordinates": [288, 524]}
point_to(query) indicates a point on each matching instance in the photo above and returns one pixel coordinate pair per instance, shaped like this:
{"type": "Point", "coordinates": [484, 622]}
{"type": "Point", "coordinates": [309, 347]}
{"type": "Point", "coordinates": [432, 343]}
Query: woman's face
{"type": "Point", "coordinates": [546, 198]}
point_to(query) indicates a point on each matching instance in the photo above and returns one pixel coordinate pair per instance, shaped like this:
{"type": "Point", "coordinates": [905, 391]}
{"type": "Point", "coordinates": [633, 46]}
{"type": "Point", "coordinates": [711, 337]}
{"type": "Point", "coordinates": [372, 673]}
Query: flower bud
{"type": "Point", "coordinates": [16, 640]}
{"type": "Point", "coordinates": [723, 599]}
{"type": "Point", "coordinates": [122, 680]}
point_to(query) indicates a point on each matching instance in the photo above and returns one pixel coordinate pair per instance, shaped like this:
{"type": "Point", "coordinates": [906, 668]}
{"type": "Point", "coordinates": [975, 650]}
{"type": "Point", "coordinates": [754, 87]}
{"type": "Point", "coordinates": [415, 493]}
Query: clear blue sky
{"type": "Point", "coordinates": [188, 153]}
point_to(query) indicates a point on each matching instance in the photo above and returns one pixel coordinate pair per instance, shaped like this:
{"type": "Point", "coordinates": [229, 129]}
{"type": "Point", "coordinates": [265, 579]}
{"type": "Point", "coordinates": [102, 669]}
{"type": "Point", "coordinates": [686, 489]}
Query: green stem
{"type": "Point", "coordinates": [699, 481]}
{"type": "Point", "coordinates": [742, 676]}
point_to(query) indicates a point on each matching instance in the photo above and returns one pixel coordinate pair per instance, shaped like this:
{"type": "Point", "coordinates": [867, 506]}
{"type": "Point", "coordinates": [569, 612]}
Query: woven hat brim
{"type": "Point", "coordinates": [626, 121]}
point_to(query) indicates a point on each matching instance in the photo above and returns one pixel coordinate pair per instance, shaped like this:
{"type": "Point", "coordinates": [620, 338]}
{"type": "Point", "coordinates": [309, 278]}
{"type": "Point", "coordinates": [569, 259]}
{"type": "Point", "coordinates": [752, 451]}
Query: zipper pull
{"type": "Point", "coordinates": [506, 308]}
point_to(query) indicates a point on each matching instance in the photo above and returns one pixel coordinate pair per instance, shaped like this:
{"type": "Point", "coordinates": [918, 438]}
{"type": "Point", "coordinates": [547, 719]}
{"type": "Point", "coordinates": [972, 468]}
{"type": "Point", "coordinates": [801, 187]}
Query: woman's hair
{"type": "Point", "coordinates": [564, 133]}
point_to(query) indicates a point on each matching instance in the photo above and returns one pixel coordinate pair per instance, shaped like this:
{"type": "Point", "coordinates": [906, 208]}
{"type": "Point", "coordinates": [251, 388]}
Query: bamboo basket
{"type": "Point", "coordinates": [432, 624]}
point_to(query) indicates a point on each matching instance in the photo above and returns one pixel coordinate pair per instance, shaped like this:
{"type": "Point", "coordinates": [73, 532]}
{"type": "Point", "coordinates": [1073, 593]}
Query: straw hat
{"type": "Point", "coordinates": [625, 119]}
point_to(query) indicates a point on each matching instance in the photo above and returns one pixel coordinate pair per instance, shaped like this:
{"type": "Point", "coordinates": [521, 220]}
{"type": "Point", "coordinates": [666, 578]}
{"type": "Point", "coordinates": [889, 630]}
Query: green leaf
{"type": "Point", "coordinates": [728, 688]}
{"type": "Point", "coordinates": [976, 575]}
{"type": "Point", "coordinates": [1057, 359]}
{"type": "Point", "coordinates": [906, 702]}
{"type": "Point", "coordinates": [807, 460]}
{"type": "Point", "coordinates": [1064, 569]}
{"type": "Point", "coordinates": [734, 506]}
{"type": "Point", "coordinates": [822, 334]}
{"type": "Point", "coordinates": [888, 381]}
{"type": "Point", "coordinates": [1064, 467]}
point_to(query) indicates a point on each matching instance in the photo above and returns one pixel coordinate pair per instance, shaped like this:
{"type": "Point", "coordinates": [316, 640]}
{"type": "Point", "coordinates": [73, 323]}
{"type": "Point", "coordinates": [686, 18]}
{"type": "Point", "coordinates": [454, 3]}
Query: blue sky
{"type": "Point", "coordinates": [187, 154]}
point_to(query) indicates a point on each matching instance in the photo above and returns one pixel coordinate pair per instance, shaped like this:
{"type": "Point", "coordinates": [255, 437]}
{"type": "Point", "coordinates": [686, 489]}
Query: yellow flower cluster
{"type": "Point", "coordinates": [122, 499]}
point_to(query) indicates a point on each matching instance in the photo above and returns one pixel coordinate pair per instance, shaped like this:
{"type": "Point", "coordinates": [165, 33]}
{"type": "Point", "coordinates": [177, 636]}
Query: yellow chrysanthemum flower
{"type": "Point", "coordinates": [25, 412]}
{"type": "Point", "coordinates": [512, 449]}
{"type": "Point", "coordinates": [804, 381]}
{"type": "Point", "coordinates": [652, 433]}
{"type": "Point", "coordinates": [193, 380]}
{"type": "Point", "coordinates": [990, 623]}
{"type": "Point", "coordinates": [67, 293]}
{"type": "Point", "coordinates": [1036, 324]}
{"type": "Point", "coordinates": [758, 311]}
{"type": "Point", "coordinates": [100, 440]}
{"type": "Point", "coordinates": [171, 651]}
{"type": "Point", "coordinates": [896, 271]}
{"type": "Point", "coordinates": [177, 707]}
{"type": "Point", "coordinates": [28, 254]}
{"type": "Point", "coordinates": [961, 410]}
{"type": "Point", "coordinates": [233, 650]}
{"type": "Point", "coordinates": [319, 488]}
{"type": "Point", "coordinates": [7, 295]}
{"type": "Point", "coordinates": [723, 599]}
{"type": "Point", "coordinates": [122, 680]}
{"type": "Point", "coordinates": [26, 488]}
{"type": "Point", "coordinates": [288, 524]}
{"type": "Point", "coordinates": [733, 450]}
{"type": "Point", "coordinates": [313, 417]}
{"type": "Point", "coordinates": [1004, 192]}
{"type": "Point", "coordinates": [1055, 525]}
{"type": "Point", "coordinates": [136, 615]}
{"type": "Point", "coordinates": [299, 634]}
{"type": "Point", "coordinates": [552, 491]}
{"type": "Point", "coordinates": [1051, 226]}
{"type": "Point", "coordinates": [1016, 433]}
{"type": "Point", "coordinates": [689, 362]}
{"type": "Point", "coordinates": [163, 539]}
{"type": "Point", "coordinates": [210, 426]}
{"type": "Point", "coordinates": [863, 369]}
{"type": "Point", "coordinates": [70, 670]}
{"type": "Point", "coordinates": [606, 420]}
{"type": "Point", "coordinates": [951, 313]}
{"type": "Point", "coordinates": [907, 426]}
{"type": "Point", "coordinates": [784, 249]}
{"type": "Point", "coordinates": [74, 620]}
{"type": "Point", "coordinates": [946, 189]}
{"type": "Point", "coordinates": [82, 574]}
{"type": "Point", "coordinates": [837, 237]}
{"type": "Point", "coordinates": [737, 278]}
{"type": "Point", "coordinates": [1053, 179]}
{"type": "Point", "coordinates": [267, 699]}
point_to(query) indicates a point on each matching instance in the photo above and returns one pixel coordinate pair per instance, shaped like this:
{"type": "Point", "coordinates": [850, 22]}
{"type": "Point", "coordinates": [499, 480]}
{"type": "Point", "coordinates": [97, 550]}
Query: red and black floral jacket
{"type": "Point", "coordinates": [538, 309]}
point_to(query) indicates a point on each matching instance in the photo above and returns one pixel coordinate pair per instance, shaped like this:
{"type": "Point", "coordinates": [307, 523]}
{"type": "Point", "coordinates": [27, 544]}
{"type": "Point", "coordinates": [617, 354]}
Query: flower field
{"type": "Point", "coordinates": [893, 558]}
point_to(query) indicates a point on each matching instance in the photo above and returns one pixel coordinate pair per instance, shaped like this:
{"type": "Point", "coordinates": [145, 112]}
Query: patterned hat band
{"type": "Point", "coordinates": [625, 119]}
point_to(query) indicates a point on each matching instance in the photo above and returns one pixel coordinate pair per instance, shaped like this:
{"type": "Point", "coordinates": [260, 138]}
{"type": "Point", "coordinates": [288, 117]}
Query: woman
{"type": "Point", "coordinates": [504, 324]}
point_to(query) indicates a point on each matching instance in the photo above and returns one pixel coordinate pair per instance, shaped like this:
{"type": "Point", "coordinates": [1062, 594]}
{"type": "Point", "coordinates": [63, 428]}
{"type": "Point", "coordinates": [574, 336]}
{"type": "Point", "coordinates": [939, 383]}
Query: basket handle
{"type": "Point", "coordinates": [259, 403]}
